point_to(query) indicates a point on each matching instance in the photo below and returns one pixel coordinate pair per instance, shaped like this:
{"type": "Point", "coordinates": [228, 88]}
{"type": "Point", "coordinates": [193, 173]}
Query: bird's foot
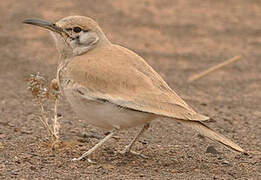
{"type": "Point", "coordinates": [82, 158]}
{"type": "Point", "coordinates": [127, 151]}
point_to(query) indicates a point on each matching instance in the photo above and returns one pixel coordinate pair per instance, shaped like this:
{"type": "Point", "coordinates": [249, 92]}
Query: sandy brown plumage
{"type": "Point", "coordinates": [124, 78]}
{"type": "Point", "coordinates": [114, 88]}
{"type": "Point", "coordinates": [137, 87]}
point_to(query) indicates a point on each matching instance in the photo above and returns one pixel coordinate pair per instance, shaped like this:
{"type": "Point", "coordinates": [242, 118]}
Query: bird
{"type": "Point", "coordinates": [112, 87]}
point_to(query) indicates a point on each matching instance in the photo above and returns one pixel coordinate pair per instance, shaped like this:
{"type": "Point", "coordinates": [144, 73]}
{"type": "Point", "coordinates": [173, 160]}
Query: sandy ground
{"type": "Point", "coordinates": [179, 38]}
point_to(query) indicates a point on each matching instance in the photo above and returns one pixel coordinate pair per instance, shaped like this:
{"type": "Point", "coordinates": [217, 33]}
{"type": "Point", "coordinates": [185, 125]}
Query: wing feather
{"type": "Point", "coordinates": [123, 78]}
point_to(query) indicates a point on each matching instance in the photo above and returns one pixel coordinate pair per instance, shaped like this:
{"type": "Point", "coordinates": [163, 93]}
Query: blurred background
{"type": "Point", "coordinates": [178, 38]}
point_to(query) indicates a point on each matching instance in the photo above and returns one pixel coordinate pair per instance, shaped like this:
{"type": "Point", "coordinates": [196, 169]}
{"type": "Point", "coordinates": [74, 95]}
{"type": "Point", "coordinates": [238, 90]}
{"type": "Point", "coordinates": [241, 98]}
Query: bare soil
{"type": "Point", "coordinates": [179, 38]}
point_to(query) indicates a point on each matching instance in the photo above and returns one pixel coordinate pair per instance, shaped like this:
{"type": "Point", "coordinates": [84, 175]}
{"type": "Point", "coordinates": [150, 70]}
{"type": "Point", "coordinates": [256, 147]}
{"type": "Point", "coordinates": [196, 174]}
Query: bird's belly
{"type": "Point", "coordinates": [106, 115]}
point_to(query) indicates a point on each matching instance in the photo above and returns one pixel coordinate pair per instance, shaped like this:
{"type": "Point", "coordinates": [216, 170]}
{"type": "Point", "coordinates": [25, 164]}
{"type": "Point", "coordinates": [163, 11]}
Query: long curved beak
{"type": "Point", "coordinates": [44, 24]}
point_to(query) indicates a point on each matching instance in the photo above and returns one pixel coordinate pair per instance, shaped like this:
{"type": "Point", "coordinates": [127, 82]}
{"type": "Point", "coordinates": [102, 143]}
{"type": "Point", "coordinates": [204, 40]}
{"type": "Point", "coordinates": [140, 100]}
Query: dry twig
{"type": "Point", "coordinates": [214, 68]}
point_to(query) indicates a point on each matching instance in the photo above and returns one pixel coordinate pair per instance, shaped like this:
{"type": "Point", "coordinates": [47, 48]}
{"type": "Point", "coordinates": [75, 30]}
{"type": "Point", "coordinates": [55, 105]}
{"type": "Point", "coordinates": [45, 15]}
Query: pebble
{"type": "Point", "coordinates": [212, 150]}
{"type": "Point", "coordinates": [226, 162]}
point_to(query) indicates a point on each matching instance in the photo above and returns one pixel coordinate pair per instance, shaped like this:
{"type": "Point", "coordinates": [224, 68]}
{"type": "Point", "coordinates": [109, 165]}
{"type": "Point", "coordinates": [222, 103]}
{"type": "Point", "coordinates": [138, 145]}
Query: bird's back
{"type": "Point", "coordinates": [123, 78]}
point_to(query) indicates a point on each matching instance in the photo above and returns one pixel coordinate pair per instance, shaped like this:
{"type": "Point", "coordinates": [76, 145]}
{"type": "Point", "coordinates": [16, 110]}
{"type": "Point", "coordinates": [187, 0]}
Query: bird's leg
{"type": "Point", "coordinates": [129, 146]}
{"type": "Point", "coordinates": [96, 146]}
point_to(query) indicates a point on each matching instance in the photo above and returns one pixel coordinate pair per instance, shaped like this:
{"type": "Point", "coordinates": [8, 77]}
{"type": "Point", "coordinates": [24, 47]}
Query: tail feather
{"type": "Point", "coordinates": [206, 131]}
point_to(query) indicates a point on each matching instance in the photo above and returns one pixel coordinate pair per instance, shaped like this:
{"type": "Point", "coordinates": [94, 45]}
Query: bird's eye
{"type": "Point", "coordinates": [77, 29]}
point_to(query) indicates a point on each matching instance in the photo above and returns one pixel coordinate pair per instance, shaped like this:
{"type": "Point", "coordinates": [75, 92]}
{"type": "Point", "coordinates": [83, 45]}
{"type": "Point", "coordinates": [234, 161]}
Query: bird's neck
{"type": "Point", "coordinates": [66, 54]}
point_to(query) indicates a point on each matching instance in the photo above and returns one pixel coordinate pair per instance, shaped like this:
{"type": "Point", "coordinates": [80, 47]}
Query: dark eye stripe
{"type": "Point", "coordinates": [77, 29]}
{"type": "Point", "coordinates": [68, 29]}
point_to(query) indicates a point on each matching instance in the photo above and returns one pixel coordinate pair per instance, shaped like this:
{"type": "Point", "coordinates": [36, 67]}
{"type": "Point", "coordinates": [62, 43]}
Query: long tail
{"type": "Point", "coordinates": [206, 131]}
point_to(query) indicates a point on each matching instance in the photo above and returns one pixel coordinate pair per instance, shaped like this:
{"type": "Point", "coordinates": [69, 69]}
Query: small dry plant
{"type": "Point", "coordinates": [44, 93]}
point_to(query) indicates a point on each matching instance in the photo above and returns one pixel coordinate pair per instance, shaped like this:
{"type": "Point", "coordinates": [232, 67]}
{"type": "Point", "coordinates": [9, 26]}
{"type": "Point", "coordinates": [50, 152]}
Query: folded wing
{"type": "Point", "coordinates": [123, 78]}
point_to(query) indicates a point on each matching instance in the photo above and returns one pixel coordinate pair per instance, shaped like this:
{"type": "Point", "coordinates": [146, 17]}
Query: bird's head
{"type": "Point", "coordinates": [74, 35]}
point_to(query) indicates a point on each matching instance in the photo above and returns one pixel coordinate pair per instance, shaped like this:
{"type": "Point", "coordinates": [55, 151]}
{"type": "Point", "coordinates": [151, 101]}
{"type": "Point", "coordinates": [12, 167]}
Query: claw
{"type": "Point", "coordinates": [81, 158]}
{"type": "Point", "coordinates": [127, 152]}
